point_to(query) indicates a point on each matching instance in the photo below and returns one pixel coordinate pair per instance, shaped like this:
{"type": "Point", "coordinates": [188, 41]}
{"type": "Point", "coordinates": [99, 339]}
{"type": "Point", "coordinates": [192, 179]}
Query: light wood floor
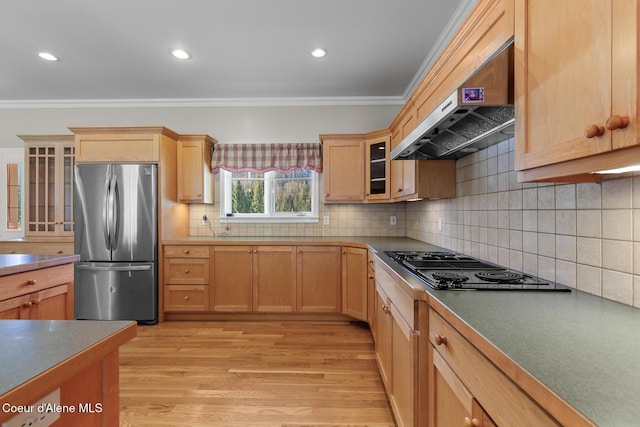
{"type": "Point", "coordinates": [259, 374]}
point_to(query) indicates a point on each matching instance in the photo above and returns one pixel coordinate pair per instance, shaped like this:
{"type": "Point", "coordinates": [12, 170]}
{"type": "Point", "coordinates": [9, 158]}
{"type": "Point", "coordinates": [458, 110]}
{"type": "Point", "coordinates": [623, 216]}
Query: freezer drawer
{"type": "Point", "coordinates": [116, 291]}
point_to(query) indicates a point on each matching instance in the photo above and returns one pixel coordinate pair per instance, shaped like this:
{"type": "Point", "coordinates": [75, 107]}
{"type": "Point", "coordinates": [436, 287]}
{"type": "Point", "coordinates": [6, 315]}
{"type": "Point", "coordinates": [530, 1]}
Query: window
{"type": "Point", "coordinates": [11, 198]}
{"type": "Point", "coordinates": [270, 196]}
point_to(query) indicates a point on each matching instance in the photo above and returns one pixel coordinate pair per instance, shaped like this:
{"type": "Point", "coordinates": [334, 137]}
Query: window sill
{"type": "Point", "coordinates": [270, 220]}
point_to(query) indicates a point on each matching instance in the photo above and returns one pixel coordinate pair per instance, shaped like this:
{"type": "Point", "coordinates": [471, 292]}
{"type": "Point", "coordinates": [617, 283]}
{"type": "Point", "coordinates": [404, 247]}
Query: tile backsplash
{"type": "Point", "coordinates": [586, 236]}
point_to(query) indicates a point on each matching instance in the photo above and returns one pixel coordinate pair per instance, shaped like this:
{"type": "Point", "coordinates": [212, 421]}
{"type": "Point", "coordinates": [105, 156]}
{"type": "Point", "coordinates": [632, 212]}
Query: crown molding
{"type": "Point", "coordinates": [449, 31]}
{"type": "Point", "coordinates": [204, 102]}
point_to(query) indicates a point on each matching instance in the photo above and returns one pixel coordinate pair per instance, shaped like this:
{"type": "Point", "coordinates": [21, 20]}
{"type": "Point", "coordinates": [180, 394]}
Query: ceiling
{"type": "Point", "coordinates": [119, 50]}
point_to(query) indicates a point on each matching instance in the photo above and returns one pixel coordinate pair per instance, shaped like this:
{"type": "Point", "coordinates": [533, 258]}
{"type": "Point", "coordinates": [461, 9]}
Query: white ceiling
{"type": "Point", "coordinates": [118, 50]}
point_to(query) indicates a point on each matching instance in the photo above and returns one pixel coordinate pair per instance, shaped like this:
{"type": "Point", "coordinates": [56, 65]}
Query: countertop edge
{"type": "Point", "coordinates": [34, 262]}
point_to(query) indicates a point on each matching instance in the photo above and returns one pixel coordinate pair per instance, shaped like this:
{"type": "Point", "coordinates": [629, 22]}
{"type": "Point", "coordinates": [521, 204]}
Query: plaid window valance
{"type": "Point", "coordinates": [267, 157]}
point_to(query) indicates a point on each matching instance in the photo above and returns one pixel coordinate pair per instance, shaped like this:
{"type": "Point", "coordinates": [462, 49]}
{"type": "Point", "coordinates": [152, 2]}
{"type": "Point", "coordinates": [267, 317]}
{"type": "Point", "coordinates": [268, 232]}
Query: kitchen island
{"type": "Point", "coordinates": [576, 356]}
{"type": "Point", "coordinates": [37, 287]}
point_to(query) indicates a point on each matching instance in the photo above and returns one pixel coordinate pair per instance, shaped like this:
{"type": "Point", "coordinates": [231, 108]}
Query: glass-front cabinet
{"type": "Point", "coordinates": [49, 163]}
{"type": "Point", "coordinates": [377, 165]}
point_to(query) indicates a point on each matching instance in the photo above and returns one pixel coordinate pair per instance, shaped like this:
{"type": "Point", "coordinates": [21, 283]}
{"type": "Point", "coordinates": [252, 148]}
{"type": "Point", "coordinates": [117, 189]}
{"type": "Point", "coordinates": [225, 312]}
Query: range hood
{"type": "Point", "coordinates": [478, 114]}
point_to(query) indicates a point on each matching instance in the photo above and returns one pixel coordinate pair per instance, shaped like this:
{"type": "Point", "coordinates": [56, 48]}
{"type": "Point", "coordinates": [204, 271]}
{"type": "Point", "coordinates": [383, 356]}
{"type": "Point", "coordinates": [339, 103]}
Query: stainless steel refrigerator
{"type": "Point", "coordinates": [115, 228]}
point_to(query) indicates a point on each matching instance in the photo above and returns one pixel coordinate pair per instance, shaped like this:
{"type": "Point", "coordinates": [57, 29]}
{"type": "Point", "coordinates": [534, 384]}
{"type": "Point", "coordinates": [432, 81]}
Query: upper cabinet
{"type": "Point", "coordinates": [576, 101]}
{"type": "Point", "coordinates": [195, 179]}
{"type": "Point", "coordinates": [49, 161]}
{"type": "Point", "coordinates": [121, 143]}
{"type": "Point", "coordinates": [343, 168]}
{"type": "Point", "coordinates": [377, 163]}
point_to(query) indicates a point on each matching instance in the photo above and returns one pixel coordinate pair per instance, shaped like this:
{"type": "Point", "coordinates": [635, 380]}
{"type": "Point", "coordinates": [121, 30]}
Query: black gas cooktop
{"type": "Point", "coordinates": [453, 271]}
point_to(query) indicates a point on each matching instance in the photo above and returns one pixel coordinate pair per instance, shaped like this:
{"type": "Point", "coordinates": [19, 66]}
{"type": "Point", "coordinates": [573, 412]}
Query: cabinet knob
{"type": "Point", "coordinates": [326, 194]}
{"type": "Point", "coordinates": [31, 282]}
{"type": "Point", "coordinates": [186, 251]}
{"type": "Point", "coordinates": [186, 297]}
{"type": "Point", "coordinates": [440, 340]}
{"type": "Point", "coordinates": [471, 422]}
{"type": "Point", "coordinates": [60, 251]}
{"type": "Point", "coordinates": [593, 131]}
{"type": "Point", "coordinates": [386, 309]}
{"type": "Point", "coordinates": [617, 122]}
{"type": "Point", "coordinates": [199, 195]}
{"type": "Point", "coordinates": [35, 302]}
{"type": "Point", "coordinates": [27, 304]}
{"type": "Point", "coordinates": [399, 190]}
{"type": "Point", "coordinates": [186, 271]}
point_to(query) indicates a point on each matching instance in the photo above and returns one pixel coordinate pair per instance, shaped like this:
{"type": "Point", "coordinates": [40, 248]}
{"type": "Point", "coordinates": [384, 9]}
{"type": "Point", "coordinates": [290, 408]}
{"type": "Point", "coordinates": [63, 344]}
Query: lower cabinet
{"type": "Point", "coordinates": [397, 347]}
{"type": "Point", "coordinates": [45, 294]}
{"type": "Point", "coordinates": [266, 278]}
{"type": "Point", "coordinates": [466, 389]}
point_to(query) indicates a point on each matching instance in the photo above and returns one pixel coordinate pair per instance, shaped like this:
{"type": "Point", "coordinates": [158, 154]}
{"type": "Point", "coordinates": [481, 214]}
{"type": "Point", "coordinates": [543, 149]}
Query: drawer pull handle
{"type": "Point", "coordinates": [471, 422]}
{"type": "Point", "coordinates": [186, 297]}
{"type": "Point", "coordinates": [617, 122]}
{"type": "Point", "coordinates": [31, 282]}
{"type": "Point", "coordinates": [593, 131]}
{"type": "Point", "coordinates": [440, 339]}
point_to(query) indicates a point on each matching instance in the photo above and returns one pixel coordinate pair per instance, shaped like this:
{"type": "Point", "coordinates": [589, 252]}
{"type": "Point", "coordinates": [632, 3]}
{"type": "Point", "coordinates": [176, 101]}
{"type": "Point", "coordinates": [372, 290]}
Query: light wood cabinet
{"type": "Point", "coordinates": [465, 387]}
{"type": "Point", "coordinates": [371, 295]}
{"type": "Point", "coordinates": [378, 173]}
{"type": "Point", "coordinates": [318, 279]}
{"type": "Point", "coordinates": [354, 282]}
{"type": "Point", "coordinates": [274, 278]}
{"type": "Point", "coordinates": [49, 161]}
{"type": "Point", "coordinates": [576, 101]}
{"type": "Point", "coordinates": [231, 279]}
{"type": "Point", "coordinates": [44, 294]}
{"type": "Point", "coordinates": [186, 278]}
{"type": "Point", "coordinates": [397, 346]}
{"type": "Point", "coordinates": [195, 179]}
{"type": "Point", "coordinates": [343, 168]}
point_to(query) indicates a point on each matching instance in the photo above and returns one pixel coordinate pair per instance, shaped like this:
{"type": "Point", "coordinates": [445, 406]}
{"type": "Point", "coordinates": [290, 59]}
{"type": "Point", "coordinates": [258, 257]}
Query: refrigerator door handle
{"type": "Point", "coordinates": [115, 207]}
{"type": "Point", "coordinates": [105, 213]}
{"type": "Point", "coordinates": [112, 268]}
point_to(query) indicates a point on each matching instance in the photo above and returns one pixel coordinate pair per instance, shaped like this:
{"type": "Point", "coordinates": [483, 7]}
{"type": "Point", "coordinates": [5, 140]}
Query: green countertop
{"type": "Point", "coordinates": [584, 348]}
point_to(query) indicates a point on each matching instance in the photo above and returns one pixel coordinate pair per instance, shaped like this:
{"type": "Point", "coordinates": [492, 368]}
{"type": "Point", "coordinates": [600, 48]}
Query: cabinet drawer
{"type": "Point", "coordinates": [402, 301]}
{"type": "Point", "coordinates": [36, 280]}
{"type": "Point", "coordinates": [186, 251]}
{"type": "Point", "coordinates": [499, 396]}
{"type": "Point", "coordinates": [186, 297]}
{"type": "Point", "coordinates": [187, 271]}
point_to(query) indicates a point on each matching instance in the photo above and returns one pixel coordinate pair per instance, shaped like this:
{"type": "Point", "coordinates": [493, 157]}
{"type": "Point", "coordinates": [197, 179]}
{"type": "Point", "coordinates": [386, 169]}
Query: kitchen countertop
{"type": "Point", "coordinates": [19, 263]}
{"type": "Point", "coordinates": [33, 347]}
{"type": "Point", "coordinates": [584, 348]}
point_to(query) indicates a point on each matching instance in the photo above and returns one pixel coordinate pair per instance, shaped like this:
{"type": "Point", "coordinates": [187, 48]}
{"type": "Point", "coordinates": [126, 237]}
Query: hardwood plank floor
{"type": "Point", "coordinates": [285, 374]}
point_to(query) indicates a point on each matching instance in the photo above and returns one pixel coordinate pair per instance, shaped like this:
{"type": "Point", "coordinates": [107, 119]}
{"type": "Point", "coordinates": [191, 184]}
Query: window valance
{"type": "Point", "coordinates": [267, 157]}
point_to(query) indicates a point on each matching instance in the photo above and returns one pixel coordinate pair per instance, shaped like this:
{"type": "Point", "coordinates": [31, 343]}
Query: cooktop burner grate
{"type": "Point", "coordinates": [449, 276]}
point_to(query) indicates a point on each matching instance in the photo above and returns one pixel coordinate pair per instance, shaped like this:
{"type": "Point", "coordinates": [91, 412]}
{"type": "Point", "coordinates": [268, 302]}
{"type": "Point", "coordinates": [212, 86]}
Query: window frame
{"type": "Point", "coordinates": [270, 216]}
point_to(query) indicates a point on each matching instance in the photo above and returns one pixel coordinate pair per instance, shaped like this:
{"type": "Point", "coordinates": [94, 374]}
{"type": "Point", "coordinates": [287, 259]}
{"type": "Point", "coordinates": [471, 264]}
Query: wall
{"type": "Point", "coordinates": [227, 123]}
{"type": "Point", "coordinates": [586, 236]}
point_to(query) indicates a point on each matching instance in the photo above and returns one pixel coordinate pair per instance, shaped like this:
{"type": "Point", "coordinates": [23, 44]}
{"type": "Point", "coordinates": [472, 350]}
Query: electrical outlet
{"type": "Point", "coordinates": [325, 220]}
{"type": "Point", "coordinates": [42, 413]}
{"type": "Point", "coordinates": [439, 224]}
{"type": "Point", "coordinates": [392, 220]}
{"type": "Point", "coordinates": [205, 220]}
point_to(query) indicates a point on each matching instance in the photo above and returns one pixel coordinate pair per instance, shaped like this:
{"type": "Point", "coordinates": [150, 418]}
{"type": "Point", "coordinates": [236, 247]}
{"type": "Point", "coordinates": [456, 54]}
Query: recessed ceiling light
{"type": "Point", "coordinates": [180, 54]}
{"type": "Point", "coordinates": [48, 56]}
{"type": "Point", "coordinates": [319, 52]}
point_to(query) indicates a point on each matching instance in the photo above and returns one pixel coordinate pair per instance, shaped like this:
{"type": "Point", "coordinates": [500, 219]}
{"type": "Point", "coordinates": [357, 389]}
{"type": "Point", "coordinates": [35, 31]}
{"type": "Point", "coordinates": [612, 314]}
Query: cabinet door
{"type": "Point", "coordinates": [274, 278]}
{"type": "Point", "coordinates": [404, 370]}
{"type": "Point", "coordinates": [378, 173]}
{"type": "Point", "coordinates": [319, 279]}
{"type": "Point", "coordinates": [562, 87]}
{"type": "Point", "coordinates": [52, 304]}
{"type": "Point", "coordinates": [344, 170]}
{"type": "Point", "coordinates": [451, 399]}
{"type": "Point", "coordinates": [231, 278]}
{"type": "Point", "coordinates": [49, 176]}
{"type": "Point", "coordinates": [384, 324]}
{"type": "Point", "coordinates": [354, 282]}
{"type": "Point", "coordinates": [15, 308]}
{"type": "Point", "coordinates": [195, 180]}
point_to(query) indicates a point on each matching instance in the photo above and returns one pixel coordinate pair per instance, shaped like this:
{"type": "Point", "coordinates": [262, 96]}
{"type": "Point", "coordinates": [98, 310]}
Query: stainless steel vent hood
{"type": "Point", "coordinates": [478, 114]}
